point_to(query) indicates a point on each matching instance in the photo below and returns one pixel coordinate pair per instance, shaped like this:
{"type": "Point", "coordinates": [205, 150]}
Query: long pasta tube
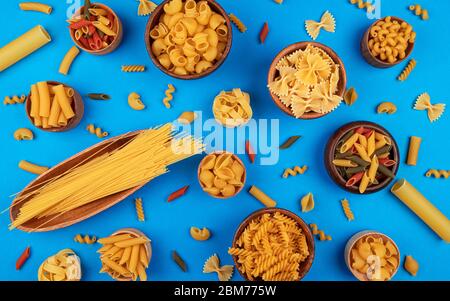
{"type": "Point", "coordinates": [68, 59]}
{"type": "Point", "coordinates": [33, 168]}
{"type": "Point", "coordinates": [64, 102]}
{"type": "Point", "coordinates": [262, 197]}
{"type": "Point", "coordinates": [44, 99]}
{"type": "Point", "coordinates": [36, 6]}
{"type": "Point", "coordinates": [54, 112]}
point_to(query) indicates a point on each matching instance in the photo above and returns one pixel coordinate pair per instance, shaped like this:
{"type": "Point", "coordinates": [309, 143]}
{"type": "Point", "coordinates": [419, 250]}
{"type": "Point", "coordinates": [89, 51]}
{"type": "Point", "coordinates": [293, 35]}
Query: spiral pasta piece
{"type": "Point", "coordinates": [139, 209]}
{"type": "Point", "coordinates": [347, 210]}
{"type": "Point", "coordinates": [86, 239]}
{"type": "Point", "coordinates": [438, 173]}
{"type": "Point", "coordinates": [169, 97]}
{"type": "Point", "coordinates": [14, 99]}
{"type": "Point", "coordinates": [239, 24]}
{"type": "Point", "coordinates": [419, 11]}
{"type": "Point", "coordinates": [294, 171]}
{"type": "Point", "coordinates": [407, 71]}
{"type": "Point", "coordinates": [363, 4]}
{"type": "Point", "coordinates": [96, 131]}
{"type": "Point", "coordinates": [320, 233]}
{"type": "Point", "coordinates": [133, 68]}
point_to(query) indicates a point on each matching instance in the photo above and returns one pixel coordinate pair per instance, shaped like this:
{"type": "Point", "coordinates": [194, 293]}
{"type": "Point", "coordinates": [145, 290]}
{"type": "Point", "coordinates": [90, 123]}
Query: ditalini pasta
{"type": "Point", "coordinates": [327, 22]}
{"type": "Point", "coordinates": [64, 266]}
{"type": "Point", "coordinates": [262, 197]}
{"type": "Point", "coordinates": [438, 173]}
{"type": "Point", "coordinates": [418, 10]}
{"type": "Point", "coordinates": [23, 134]}
{"type": "Point", "coordinates": [212, 265]}
{"type": "Point", "coordinates": [200, 234]}
{"type": "Point", "coordinates": [135, 102]}
{"type": "Point", "coordinates": [68, 60]}
{"type": "Point", "coordinates": [423, 208]}
{"type": "Point", "coordinates": [411, 265]}
{"type": "Point", "coordinates": [413, 150]}
{"type": "Point", "coordinates": [33, 168]}
{"type": "Point", "coordinates": [23, 46]}
{"type": "Point", "coordinates": [36, 6]}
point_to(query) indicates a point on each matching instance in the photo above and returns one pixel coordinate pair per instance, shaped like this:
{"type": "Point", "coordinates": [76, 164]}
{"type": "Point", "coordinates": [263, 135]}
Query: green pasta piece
{"type": "Point", "coordinates": [382, 150]}
{"type": "Point", "coordinates": [346, 136]}
{"type": "Point", "coordinates": [289, 142]}
{"type": "Point", "coordinates": [87, 6]}
{"type": "Point", "coordinates": [386, 171]}
{"type": "Point", "coordinates": [359, 161]}
{"type": "Point", "coordinates": [345, 155]}
{"type": "Point", "coordinates": [99, 96]}
{"type": "Point", "coordinates": [179, 261]}
{"type": "Point", "coordinates": [352, 170]}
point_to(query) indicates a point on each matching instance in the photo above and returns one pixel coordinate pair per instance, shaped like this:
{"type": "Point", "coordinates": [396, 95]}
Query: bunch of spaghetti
{"type": "Point", "coordinates": [140, 160]}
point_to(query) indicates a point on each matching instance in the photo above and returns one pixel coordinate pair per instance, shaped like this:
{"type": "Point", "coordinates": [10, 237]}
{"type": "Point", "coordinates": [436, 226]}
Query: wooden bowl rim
{"type": "Point", "coordinates": [113, 44]}
{"type": "Point", "coordinates": [147, 246]}
{"type": "Point", "coordinates": [302, 224]}
{"type": "Point", "coordinates": [366, 37]}
{"type": "Point", "coordinates": [331, 145]}
{"type": "Point", "coordinates": [154, 18]}
{"type": "Point", "coordinates": [292, 48]}
{"type": "Point", "coordinates": [357, 237]}
{"type": "Point", "coordinates": [77, 106]}
{"type": "Point", "coordinates": [235, 157]}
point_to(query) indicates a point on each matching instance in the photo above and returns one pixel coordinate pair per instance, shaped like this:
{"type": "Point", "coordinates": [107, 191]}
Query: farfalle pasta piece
{"type": "Point", "coordinates": [146, 7]}
{"type": "Point", "coordinates": [307, 202]}
{"type": "Point", "coordinates": [212, 265]}
{"type": "Point", "coordinates": [232, 108]}
{"type": "Point", "coordinates": [423, 103]}
{"type": "Point", "coordinates": [327, 22]}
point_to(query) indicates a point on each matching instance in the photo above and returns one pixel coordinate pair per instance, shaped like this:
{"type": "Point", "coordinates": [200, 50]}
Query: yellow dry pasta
{"type": "Point", "coordinates": [307, 202]}
{"type": "Point", "coordinates": [36, 6]}
{"type": "Point", "coordinates": [85, 239]}
{"type": "Point", "coordinates": [135, 102]}
{"type": "Point", "coordinates": [350, 96]}
{"type": "Point", "coordinates": [407, 70]}
{"type": "Point", "coordinates": [239, 24]}
{"type": "Point", "coordinates": [347, 210]}
{"type": "Point", "coordinates": [363, 4]}
{"type": "Point", "coordinates": [423, 103]}
{"type": "Point", "coordinates": [320, 233]}
{"type": "Point", "coordinates": [133, 68]}
{"type": "Point", "coordinates": [200, 234]}
{"type": "Point", "coordinates": [139, 209]}
{"type": "Point", "coordinates": [96, 131]}
{"type": "Point", "coordinates": [232, 108]}
{"type": "Point", "coordinates": [33, 168]}
{"type": "Point", "coordinates": [187, 117]}
{"type": "Point", "coordinates": [212, 265]}
{"type": "Point", "coordinates": [14, 99]}
{"type": "Point", "coordinates": [413, 150]}
{"type": "Point", "coordinates": [64, 266]}
{"type": "Point", "coordinates": [146, 7]}
{"type": "Point", "coordinates": [327, 22]}
{"type": "Point", "coordinates": [419, 11]}
{"type": "Point", "coordinates": [262, 197]}
{"type": "Point", "coordinates": [386, 107]}
{"type": "Point", "coordinates": [103, 28]}
{"type": "Point", "coordinates": [438, 173]}
{"type": "Point", "coordinates": [68, 60]}
{"type": "Point", "coordinates": [278, 1]}
{"type": "Point", "coordinates": [169, 95]}
{"type": "Point", "coordinates": [411, 265]}
{"type": "Point", "coordinates": [296, 170]}
{"type": "Point", "coordinates": [23, 134]}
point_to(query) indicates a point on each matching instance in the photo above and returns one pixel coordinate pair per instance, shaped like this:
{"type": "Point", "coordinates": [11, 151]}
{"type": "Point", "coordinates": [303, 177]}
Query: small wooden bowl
{"type": "Point", "coordinates": [374, 61]}
{"type": "Point", "coordinates": [273, 73]}
{"type": "Point", "coordinates": [305, 266]}
{"type": "Point", "coordinates": [244, 176]}
{"type": "Point", "coordinates": [114, 44]}
{"type": "Point", "coordinates": [332, 144]}
{"type": "Point", "coordinates": [77, 106]}
{"type": "Point", "coordinates": [147, 246]}
{"type": "Point", "coordinates": [154, 20]}
{"type": "Point", "coordinates": [351, 244]}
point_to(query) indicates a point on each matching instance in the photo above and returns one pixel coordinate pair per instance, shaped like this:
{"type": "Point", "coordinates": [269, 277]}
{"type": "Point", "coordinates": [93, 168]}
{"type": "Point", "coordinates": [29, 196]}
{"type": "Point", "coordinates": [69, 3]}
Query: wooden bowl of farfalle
{"type": "Point", "coordinates": [221, 174]}
{"type": "Point", "coordinates": [307, 80]}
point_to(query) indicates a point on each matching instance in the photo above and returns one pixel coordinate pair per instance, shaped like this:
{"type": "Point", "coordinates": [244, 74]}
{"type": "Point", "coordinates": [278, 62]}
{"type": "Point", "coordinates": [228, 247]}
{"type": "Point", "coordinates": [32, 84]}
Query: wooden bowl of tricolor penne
{"type": "Point", "coordinates": [362, 157]}
{"type": "Point", "coordinates": [54, 107]}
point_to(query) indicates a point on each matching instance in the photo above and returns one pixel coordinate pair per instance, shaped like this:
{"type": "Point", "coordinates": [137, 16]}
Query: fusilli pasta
{"type": "Point", "coordinates": [169, 97]}
{"type": "Point", "coordinates": [347, 210]}
{"type": "Point", "coordinates": [438, 173]}
{"type": "Point", "coordinates": [294, 171]}
{"type": "Point", "coordinates": [239, 24]}
{"type": "Point", "coordinates": [133, 68]}
{"type": "Point", "coordinates": [86, 239]}
{"type": "Point", "coordinates": [96, 131]}
{"type": "Point", "coordinates": [139, 209]}
{"type": "Point", "coordinates": [419, 11]}
{"type": "Point", "coordinates": [407, 71]}
{"type": "Point", "coordinates": [14, 99]}
{"type": "Point", "coordinates": [363, 4]}
{"type": "Point", "coordinates": [320, 233]}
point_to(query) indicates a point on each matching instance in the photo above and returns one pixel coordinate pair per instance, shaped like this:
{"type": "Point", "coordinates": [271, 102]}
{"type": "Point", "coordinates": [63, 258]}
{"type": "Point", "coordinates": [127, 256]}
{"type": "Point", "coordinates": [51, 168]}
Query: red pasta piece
{"type": "Point", "coordinates": [97, 40]}
{"type": "Point", "coordinates": [360, 130]}
{"type": "Point", "coordinates": [263, 33]}
{"type": "Point", "coordinates": [111, 20]}
{"type": "Point", "coordinates": [23, 258]}
{"type": "Point", "coordinates": [354, 179]}
{"type": "Point", "coordinates": [367, 133]}
{"type": "Point", "coordinates": [93, 18]}
{"type": "Point", "coordinates": [84, 42]}
{"type": "Point", "coordinates": [250, 152]}
{"type": "Point", "coordinates": [79, 24]}
{"type": "Point", "coordinates": [92, 29]}
{"type": "Point", "coordinates": [176, 194]}
{"type": "Point", "coordinates": [387, 162]}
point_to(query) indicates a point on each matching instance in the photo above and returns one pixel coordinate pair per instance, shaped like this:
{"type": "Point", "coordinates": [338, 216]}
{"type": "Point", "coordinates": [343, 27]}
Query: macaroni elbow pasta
{"type": "Point", "coordinates": [135, 102]}
{"type": "Point", "coordinates": [386, 107]}
{"type": "Point", "coordinates": [200, 234]}
{"type": "Point", "coordinates": [23, 134]}
{"type": "Point", "coordinates": [33, 168]}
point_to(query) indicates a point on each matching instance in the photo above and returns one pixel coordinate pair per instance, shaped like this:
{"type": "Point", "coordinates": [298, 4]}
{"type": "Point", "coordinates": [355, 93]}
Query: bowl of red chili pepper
{"type": "Point", "coordinates": [96, 28]}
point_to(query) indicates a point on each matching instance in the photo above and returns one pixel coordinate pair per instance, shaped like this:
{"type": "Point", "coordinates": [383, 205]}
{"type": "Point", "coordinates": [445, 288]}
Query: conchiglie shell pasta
{"type": "Point", "coordinates": [364, 250]}
{"type": "Point", "coordinates": [225, 173]}
{"type": "Point", "coordinates": [237, 169]}
{"type": "Point", "coordinates": [207, 178]}
{"type": "Point", "coordinates": [209, 162]}
{"type": "Point", "coordinates": [219, 183]}
{"type": "Point", "coordinates": [215, 21]}
{"type": "Point", "coordinates": [222, 160]}
{"type": "Point", "coordinates": [228, 190]}
{"type": "Point", "coordinates": [212, 190]}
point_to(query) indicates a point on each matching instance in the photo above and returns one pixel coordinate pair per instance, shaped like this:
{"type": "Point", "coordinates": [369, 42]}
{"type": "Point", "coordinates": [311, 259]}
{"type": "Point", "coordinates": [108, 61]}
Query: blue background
{"type": "Point", "coordinates": [246, 67]}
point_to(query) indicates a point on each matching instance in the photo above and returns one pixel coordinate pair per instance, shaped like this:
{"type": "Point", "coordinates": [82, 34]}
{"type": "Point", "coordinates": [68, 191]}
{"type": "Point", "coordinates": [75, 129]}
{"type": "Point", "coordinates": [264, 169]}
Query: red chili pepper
{"type": "Point", "coordinates": [263, 33]}
{"type": "Point", "coordinates": [250, 152]}
{"type": "Point", "coordinates": [23, 257]}
{"type": "Point", "coordinates": [176, 194]}
{"type": "Point", "coordinates": [354, 179]}
{"type": "Point", "coordinates": [79, 24]}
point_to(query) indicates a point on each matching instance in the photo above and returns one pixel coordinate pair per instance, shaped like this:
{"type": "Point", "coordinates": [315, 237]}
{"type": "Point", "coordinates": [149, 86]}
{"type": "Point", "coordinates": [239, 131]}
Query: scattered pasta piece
{"type": "Point", "coordinates": [239, 24]}
{"type": "Point", "coordinates": [23, 258]}
{"type": "Point", "coordinates": [363, 4]}
{"type": "Point", "coordinates": [96, 131]}
{"type": "Point", "coordinates": [33, 168]}
{"type": "Point", "coordinates": [23, 134]}
{"type": "Point", "coordinates": [176, 194]}
{"type": "Point", "coordinates": [407, 70]}
{"type": "Point", "coordinates": [413, 150]}
{"type": "Point", "coordinates": [294, 171]}
{"type": "Point", "coordinates": [289, 142]}
{"type": "Point", "coordinates": [139, 209]}
{"type": "Point", "coordinates": [200, 234]}
{"type": "Point", "coordinates": [133, 68]}
{"type": "Point", "coordinates": [307, 202]}
{"type": "Point", "coordinates": [411, 265]}
{"type": "Point", "coordinates": [86, 239]}
{"type": "Point", "coordinates": [146, 7]}
{"type": "Point", "coordinates": [14, 99]}
{"type": "Point", "coordinates": [250, 151]}
{"type": "Point", "coordinates": [36, 6]}
{"type": "Point", "coordinates": [263, 33]}
{"type": "Point", "coordinates": [278, 1]}
{"type": "Point", "coordinates": [135, 102]}
{"type": "Point", "coordinates": [64, 266]}
{"type": "Point", "coordinates": [327, 22]}
{"type": "Point", "coordinates": [262, 197]}
{"type": "Point", "coordinates": [423, 103]}
{"type": "Point", "coordinates": [438, 173]}
{"type": "Point", "coordinates": [169, 97]}
{"type": "Point", "coordinates": [386, 107]}
{"type": "Point", "coordinates": [68, 59]}
{"type": "Point", "coordinates": [347, 210]}
{"type": "Point", "coordinates": [99, 96]}
{"type": "Point", "coordinates": [212, 265]}
{"type": "Point", "coordinates": [179, 261]}
{"type": "Point", "coordinates": [232, 108]}
{"type": "Point", "coordinates": [320, 233]}
{"type": "Point", "coordinates": [187, 117]}
{"type": "Point", "coordinates": [350, 96]}
{"type": "Point", "coordinates": [419, 11]}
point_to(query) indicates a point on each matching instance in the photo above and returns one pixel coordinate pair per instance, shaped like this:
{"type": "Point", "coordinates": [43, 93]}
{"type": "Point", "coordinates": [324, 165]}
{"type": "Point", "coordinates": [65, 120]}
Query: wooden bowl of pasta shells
{"type": "Point", "coordinates": [372, 256]}
{"type": "Point", "coordinates": [221, 174]}
{"type": "Point", "coordinates": [304, 266]}
{"type": "Point", "coordinates": [274, 73]}
{"type": "Point", "coordinates": [192, 59]}
{"type": "Point", "coordinates": [77, 107]}
{"type": "Point", "coordinates": [374, 60]}
{"type": "Point", "coordinates": [332, 145]}
{"type": "Point", "coordinates": [117, 27]}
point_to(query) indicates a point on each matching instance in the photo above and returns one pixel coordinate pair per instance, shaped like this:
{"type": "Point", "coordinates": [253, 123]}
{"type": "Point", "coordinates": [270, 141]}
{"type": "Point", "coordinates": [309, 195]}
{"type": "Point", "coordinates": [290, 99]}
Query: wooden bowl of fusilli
{"type": "Point", "coordinates": [289, 239]}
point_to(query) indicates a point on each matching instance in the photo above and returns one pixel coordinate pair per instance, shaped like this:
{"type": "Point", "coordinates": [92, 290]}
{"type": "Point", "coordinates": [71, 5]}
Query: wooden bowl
{"type": "Point", "coordinates": [114, 44]}
{"type": "Point", "coordinates": [332, 144]}
{"type": "Point", "coordinates": [77, 215]}
{"type": "Point", "coordinates": [374, 61]}
{"type": "Point", "coordinates": [305, 266]}
{"type": "Point", "coordinates": [154, 20]}
{"type": "Point", "coordinates": [351, 244]}
{"type": "Point", "coordinates": [147, 246]}
{"type": "Point", "coordinates": [273, 73]}
{"type": "Point", "coordinates": [77, 106]}
{"type": "Point", "coordinates": [244, 176]}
